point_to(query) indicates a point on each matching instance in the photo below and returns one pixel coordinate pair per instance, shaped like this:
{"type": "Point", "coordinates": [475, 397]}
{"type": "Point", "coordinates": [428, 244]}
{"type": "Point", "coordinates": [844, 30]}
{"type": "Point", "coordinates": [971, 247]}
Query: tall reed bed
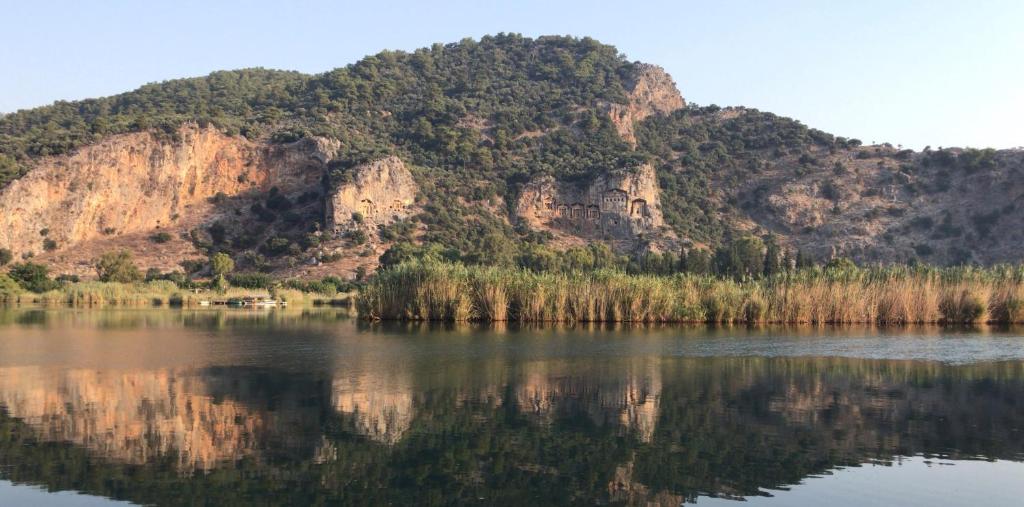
{"type": "Point", "coordinates": [893, 295]}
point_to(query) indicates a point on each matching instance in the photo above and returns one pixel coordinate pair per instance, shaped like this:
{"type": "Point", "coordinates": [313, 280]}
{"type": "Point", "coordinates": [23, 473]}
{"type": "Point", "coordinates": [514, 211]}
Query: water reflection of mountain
{"type": "Point", "coordinates": [634, 430]}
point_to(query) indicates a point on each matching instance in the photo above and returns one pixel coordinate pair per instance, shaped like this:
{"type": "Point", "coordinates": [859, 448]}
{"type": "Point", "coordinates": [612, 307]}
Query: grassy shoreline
{"type": "Point", "coordinates": [889, 295]}
{"type": "Point", "coordinates": [147, 294]}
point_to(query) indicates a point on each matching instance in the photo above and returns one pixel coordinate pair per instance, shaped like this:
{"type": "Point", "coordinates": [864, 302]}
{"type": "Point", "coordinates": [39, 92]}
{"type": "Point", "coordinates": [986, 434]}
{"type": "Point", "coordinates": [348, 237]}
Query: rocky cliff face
{"type": "Point", "coordinates": [623, 206]}
{"type": "Point", "coordinates": [877, 204]}
{"type": "Point", "coordinates": [380, 192]}
{"type": "Point", "coordinates": [650, 91]}
{"type": "Point", "coordinates": [139, 182]}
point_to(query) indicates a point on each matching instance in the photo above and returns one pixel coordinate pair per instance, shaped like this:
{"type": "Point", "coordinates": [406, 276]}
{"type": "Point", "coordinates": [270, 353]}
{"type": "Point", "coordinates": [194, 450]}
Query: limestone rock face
{"type": "Point", "coordinates": [651, 91]}
{"type": "Point", "coordinates": [138, 182]}
{"type": "Point", "coordinates": [620, 205]}
{"type": "Point", "coordinates": [380, 192]}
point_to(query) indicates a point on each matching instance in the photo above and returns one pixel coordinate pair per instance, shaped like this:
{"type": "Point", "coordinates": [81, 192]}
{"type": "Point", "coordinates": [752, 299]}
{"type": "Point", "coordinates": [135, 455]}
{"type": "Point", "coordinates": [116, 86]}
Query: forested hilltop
{"type": "Point", "coordinates": [514, 148]}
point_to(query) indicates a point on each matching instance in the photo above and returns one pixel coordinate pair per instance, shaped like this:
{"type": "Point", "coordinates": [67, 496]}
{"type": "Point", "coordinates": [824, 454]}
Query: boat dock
{"type": "Point", "coordinates": [245, 302]}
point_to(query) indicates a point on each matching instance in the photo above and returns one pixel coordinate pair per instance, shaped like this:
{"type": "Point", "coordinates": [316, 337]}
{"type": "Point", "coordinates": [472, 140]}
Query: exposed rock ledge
{"type": "Point", "coordinates": [622, 205]}
{"type": "Point", "coordinates": [380, 193]}
{"type": "Point", "coordinates": [651, 91]}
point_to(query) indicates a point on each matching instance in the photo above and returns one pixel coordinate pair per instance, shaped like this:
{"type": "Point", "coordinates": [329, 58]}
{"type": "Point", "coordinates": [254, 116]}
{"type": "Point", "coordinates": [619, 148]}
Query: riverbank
{"type": "Point", "coordinates": [891, 295]}
{"type": "Point", "coordinates": [157, 293]}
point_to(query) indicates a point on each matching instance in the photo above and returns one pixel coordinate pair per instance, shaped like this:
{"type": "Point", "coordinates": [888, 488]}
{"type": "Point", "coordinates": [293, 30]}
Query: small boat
{"type": "Point", "coordinates": [264, 303]}
{"type": "Point", "coordinates": [255, 302]}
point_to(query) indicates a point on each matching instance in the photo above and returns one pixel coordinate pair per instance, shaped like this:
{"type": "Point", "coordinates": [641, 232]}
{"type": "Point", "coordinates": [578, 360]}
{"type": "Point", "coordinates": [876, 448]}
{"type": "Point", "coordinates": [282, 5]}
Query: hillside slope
{"type": "Point", "coordinates": [490, 151]}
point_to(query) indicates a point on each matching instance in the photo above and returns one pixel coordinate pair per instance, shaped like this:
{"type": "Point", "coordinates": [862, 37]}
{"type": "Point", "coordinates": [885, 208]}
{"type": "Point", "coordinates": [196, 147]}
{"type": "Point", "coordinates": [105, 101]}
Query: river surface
{"type": "Point", "coordinates": [235, 407]}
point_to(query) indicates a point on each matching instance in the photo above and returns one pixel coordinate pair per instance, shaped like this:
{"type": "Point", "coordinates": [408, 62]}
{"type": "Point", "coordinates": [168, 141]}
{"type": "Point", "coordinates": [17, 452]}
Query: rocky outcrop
{"type": "Point", "coordinates": [138, 182]}
{"type": "Point", "coordinates": [620, 205]}
{"type": "Point", "coordinates": [379, 193]}
{"type": "Point", "coordinates": [650, 91]}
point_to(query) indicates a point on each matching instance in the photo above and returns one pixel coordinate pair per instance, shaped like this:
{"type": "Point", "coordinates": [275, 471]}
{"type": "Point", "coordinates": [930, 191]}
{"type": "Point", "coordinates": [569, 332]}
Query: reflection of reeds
{"type": "Point", "coordinates": [893, 295]}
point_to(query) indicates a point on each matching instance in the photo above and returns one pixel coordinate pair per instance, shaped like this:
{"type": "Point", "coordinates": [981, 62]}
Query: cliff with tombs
{"type": "Point", "coordinates": [379, 193]}
{"type": "Point", "coordinates": [621, 206]}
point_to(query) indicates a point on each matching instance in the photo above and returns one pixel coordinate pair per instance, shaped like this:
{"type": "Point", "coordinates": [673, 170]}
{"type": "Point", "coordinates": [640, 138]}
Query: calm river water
{"type": "Point", "coordinates": [180, 407]}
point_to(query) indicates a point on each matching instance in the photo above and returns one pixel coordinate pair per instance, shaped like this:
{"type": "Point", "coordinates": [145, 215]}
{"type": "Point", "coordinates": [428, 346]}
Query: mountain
{"type": "Point", "coordinates": [503, 150]}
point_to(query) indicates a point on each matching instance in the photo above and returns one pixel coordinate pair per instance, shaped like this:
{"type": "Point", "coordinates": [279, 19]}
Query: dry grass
{"type": "Point", "coordinates": [894, 295]}
{"type": "Point", "coordinates": [156, 293]}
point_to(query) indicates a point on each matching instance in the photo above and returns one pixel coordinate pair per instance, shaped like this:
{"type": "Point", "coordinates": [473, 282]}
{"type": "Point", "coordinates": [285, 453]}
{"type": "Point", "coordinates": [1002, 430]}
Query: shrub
{"type": "Point", "coordinates": [357, 236]}
{"type": "Point", "coordinates": [251, 280]}
{"type": "Point", "coordinates": [192, 265]}
{"type": "Point", "coordinates": [117, 267]}
{"type": "Point", "coordinates": [830, 191]}
{"type": "Point", "coordinates": [153, 274]}
{"type": "Point", "coordinates": [67, 278]}
{"type": "Point", "coordinates": [8, 287]}
{"type": "Point", "coordinates": [160, 237]}
{"type": "Point", "coordinates": [840, 264]}
{"type": "Point", "coordinates": [218, 233]}
{"type": "Point", "coordinates": [6, 256]}
{"type": "Point", "coordinates": [263, 214]}
{"type": "Point", "coordinates": [49, 245]}
{"type": "Point", "coordinates": [922, 222]}
{"type": "Point", "coordinates": [277, 245]}
{"type": "Point", "coordinates": [278, 201]}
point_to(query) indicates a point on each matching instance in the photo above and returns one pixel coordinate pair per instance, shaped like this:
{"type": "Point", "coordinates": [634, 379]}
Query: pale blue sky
{"type": "Point", "coordinates": [939, 73]}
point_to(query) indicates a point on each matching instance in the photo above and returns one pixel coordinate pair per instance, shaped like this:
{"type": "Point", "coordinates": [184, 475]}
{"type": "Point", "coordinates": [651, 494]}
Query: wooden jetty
{"type": "Point", "coordinates": [245, 302]}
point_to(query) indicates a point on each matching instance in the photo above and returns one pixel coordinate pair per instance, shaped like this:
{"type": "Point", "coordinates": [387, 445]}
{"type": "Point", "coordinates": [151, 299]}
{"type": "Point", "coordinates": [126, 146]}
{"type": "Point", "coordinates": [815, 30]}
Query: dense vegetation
{"type": "Point", "coordinates": [475, 120]}
{"type": "Point", "coordinates": [121, 283]}
{"type": "Point", "coordinates": [458, 112]}
{"type": "Point", "coordinates": [840, 293]}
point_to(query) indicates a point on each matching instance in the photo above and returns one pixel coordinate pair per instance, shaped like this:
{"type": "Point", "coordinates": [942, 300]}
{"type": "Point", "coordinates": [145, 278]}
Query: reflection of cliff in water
{"type": "Point", "coordinates": [633, 430]}
{"type": "Point", "coordinates": [201, 418]}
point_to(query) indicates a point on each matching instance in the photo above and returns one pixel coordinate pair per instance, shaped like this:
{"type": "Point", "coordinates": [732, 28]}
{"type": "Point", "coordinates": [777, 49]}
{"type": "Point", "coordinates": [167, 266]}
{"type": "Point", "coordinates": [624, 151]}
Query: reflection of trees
{"type": "Point", "coordinates": [540, 432]}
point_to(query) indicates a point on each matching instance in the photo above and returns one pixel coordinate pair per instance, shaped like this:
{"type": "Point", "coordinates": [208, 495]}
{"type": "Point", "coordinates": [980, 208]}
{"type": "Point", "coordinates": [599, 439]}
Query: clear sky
{"type": "Point", "coordinates": [917, 73]}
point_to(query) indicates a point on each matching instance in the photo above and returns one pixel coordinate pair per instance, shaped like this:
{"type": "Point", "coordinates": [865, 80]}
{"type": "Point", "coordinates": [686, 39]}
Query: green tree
{"type": "Point", "coordinates": [840, 264]}
{"type": "Point", "coordinates": [697, 261]}
{"type": "Point", "coordinates": [742, 258]}
{"type": "Point", "coordinates": [8, 287]}
{"type": "Point", "coordinates": [579, 259]}
{"type": "Point", "coordinates": [221, 264]}
{"type": "Point", "coordinates": [397, 254]}
{"type": "Point", "coordinates": [773, 257]}
{"type": "Point", "coordinates": [32, 277]}
{"type": "Point", "coordinates": [539, 258]}
{"type": "Point", "coordinates": [803, 260]}
{"type": "Point", "coordinates": [117, 267]}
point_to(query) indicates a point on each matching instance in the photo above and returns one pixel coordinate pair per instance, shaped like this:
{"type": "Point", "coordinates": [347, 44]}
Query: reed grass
{"type": "Point", "coordinates": [882, 295]}
{"type": "Point", "coordinates": [154, 293]}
